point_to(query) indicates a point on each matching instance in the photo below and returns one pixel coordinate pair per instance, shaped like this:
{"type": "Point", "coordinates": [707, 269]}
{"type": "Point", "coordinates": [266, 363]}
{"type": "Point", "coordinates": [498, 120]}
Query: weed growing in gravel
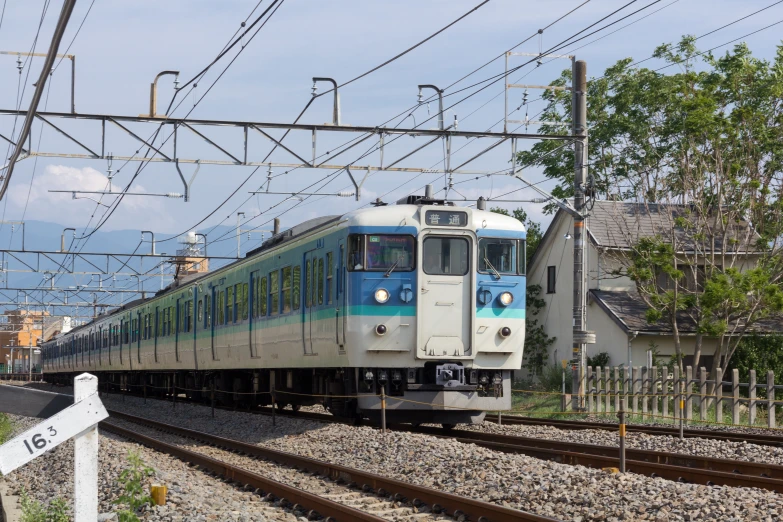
{"type": "Point", "coordinates": [5, 428]}
{"type": "Point", "coordinates": [134, 496]}
{"type": "Point", "coordinates": [34, 511]}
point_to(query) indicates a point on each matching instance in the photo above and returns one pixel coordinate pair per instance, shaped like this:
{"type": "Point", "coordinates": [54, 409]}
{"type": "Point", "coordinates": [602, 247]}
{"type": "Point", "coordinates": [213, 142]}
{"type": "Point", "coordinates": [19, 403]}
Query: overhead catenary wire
{"type": "Point", "coordinates": [497, 77]}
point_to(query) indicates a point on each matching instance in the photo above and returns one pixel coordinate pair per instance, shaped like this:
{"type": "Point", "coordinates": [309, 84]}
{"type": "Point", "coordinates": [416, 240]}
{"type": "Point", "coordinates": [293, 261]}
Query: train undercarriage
{"type": "Point", "coordinates": [351, 393]}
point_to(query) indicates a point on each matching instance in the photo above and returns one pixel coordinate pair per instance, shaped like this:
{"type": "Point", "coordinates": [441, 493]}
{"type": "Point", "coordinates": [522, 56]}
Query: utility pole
{"type": "Point", "coordinates": [580, 336]}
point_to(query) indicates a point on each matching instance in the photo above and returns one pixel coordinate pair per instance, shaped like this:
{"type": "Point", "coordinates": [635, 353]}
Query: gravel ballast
{"type": "Point", "coordinates": [517, 481]}
{"type": "Point", "coordinates": [193, 496]}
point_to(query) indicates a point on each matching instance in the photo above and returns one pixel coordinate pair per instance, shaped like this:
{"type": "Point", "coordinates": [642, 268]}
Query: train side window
{"type": "Point", "coordinates": [329, 271]}
{"type": "Point", "coordinates": [244, 301]}
{"type": "Point", "coordinates": [254, 309]}
{"type": "Point", "coordinates": [190, 315]}
{"type": "Point", "coordinates": [208, 311]}
{"type": "Point", "coordinates": [200, 317]}
{"type": "Point", "coordinates": [286, 289]}
{"type": "Point", "coordinates": [274, 292]}
{"type": "Point", "coordinates": [340, 278]}
{"type": "Point", "coordinates": [221, 307]}
{"type": "Point", "coordinates": [321, 281]}
{"type": "Point", "coordinates": [262, 297]}
{"type": "Point", "coordinates": [355, 252]}
{"type": "Point", "coordinates": [315, 281]}
{"type": "Point", "coordinates": [308, 285]}
{"type": "Point", "coordinates": [297, 287]}
{"type": "Point", "coordinates": [229, 305]}
{"type": "Point", "coordinates": [237, 301]}
{"type": "Point", "coordinates": [522, 257]}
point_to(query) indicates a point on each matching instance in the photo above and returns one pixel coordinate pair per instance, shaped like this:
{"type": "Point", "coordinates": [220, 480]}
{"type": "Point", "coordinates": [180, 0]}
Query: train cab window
{"type": "Point", "coordinates": [229, 305]}
{"type": "Point", "coordinates": [274, 292]}
{"type": "Point", "coordinates": [355, 252]}
{"type": "Point", "coordinates": [381, 253]}
{"type": "Point", "coordinates": [244, 301]}
{"type": "Point", "coordinates": [286, 289]}
{"type": "Point", "coordinates": [522, 257]}
{"type": "Point", "coordinates": [262, 306]}
{"type": "Point", "coordinates": [297, 287]}
{"type": "Point", "coordinates": [329, 272]}
{"type": "Point", "coordinates": [321, 281]}
{"type": "Point", "coordinates": [446, 256]}
{"type": "Point", "coordinates": [497, 255]}
{"type": "Point", "coordinates": [308, 285]}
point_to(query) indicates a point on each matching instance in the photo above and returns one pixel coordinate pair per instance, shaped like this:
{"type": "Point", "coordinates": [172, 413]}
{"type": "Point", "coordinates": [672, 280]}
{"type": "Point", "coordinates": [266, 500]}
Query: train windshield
{"type": "Point", "coordinates": [381, 252]}
{"type": "Point", "coordinates": [497, 255]}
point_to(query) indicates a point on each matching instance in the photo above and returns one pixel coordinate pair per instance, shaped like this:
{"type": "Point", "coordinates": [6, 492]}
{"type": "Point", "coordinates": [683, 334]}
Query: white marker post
{"type": "Point", "coordinates": [85, 473]}
{"type": "Point", "coordinates": [79, 421]}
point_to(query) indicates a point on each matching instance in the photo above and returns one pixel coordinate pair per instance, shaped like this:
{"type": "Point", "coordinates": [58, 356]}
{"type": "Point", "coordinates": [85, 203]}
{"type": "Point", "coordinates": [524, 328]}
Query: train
{"type": "Point", "coordinates": [417, 308]}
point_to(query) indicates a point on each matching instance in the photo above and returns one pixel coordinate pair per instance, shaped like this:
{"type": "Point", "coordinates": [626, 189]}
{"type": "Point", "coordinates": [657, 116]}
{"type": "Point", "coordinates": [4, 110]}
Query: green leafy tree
{"type": "Point", "coordinates": [700, 144]}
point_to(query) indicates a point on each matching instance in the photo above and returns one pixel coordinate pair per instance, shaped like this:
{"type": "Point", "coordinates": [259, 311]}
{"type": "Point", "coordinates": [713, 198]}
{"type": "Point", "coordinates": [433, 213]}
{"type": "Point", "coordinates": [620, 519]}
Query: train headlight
{"type": "Point", "coordinates": [506, 298]}
{"type": "Point", "coordinates": [381, 295]}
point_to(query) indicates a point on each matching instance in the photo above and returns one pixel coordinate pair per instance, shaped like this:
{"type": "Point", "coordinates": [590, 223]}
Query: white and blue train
{"type": "Point", "coordinates": [423, 300]}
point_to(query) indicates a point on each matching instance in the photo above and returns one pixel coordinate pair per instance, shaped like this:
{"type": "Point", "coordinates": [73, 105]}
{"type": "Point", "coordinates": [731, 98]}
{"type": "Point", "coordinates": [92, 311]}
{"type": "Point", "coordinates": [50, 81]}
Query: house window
{"type": "Point", "coordinates": [551, 275]}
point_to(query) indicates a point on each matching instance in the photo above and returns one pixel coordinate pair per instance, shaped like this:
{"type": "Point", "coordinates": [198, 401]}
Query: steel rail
{"type": "Point", "coordinates": [453, 505]}
{"type": "Point", "coordinates": [322, 506]}
{"type": "Point", "coordinates": [754, 438]}
{"type": "Point", "coordinates": [673, 466]}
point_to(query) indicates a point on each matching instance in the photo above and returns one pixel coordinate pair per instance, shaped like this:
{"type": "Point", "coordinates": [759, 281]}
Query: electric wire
{"type": "Point", "coordinates": [74, 36]}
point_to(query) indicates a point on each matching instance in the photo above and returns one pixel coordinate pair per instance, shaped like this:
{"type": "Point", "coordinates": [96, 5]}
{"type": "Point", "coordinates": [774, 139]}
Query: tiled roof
{"type": "Point", "coordinates": [620, 224]}
{"type": "Point", "coordinates": [629, 311]}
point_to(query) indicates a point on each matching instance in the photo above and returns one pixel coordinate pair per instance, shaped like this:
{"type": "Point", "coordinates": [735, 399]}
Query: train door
{"type": "Point", "coordinates": [156, 333]}
{"type": "Point", "coordinates": [212, 318]}
{"type": "Point", "coordinates": [177, 328]}
{"type": "Point", "coordinates": [129, 322]}
{"type": "Point", "coordinates": [255, 277]}
{"type": "Point", "coordinates": [140, 328]}
{"type": "Point", "coordinates": [309, 309]}
{"type": "Point", "coordinates": [339, 289]}
{"type": "Point", "coordinates": [445, 297]}
{"type": "Point", "coordinates": [193, 315]}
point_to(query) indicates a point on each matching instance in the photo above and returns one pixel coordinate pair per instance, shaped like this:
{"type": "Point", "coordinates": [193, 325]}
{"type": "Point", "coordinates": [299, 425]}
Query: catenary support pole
{"type": "Point", "coordinates": [579, 131]}
{"type": "Point", "coordinates": [85, 508]}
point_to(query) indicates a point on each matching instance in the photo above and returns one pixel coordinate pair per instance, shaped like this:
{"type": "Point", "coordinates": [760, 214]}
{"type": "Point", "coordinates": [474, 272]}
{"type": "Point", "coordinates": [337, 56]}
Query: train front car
{"type": "Point", "coordinates": [436, 316]}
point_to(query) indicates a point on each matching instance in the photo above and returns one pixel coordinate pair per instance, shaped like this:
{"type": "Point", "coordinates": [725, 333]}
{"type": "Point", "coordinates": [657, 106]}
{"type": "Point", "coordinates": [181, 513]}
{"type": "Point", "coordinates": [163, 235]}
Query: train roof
{"type": "Point", "coordinates": [405, 209]}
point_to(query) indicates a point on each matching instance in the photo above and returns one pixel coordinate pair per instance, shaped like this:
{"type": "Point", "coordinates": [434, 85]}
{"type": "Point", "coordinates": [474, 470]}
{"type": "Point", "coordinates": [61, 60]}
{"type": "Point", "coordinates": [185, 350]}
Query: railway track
{"type": "Point", "coordinates": [754, 438]}
{"type": "Point", "coordinates": [337, 506]}
{"type": "Point", "coordinates": [671, 466]}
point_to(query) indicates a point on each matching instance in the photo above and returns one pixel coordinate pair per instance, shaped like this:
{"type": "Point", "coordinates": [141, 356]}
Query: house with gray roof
{"type": "Point", "coordinates": [615, 310]}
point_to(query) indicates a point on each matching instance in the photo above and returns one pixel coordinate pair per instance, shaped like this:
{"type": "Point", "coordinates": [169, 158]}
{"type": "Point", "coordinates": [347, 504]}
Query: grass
{"type": "Point", "coordinates": [544, 405]}
{"type": "Point", "coordinates": [5, 428]}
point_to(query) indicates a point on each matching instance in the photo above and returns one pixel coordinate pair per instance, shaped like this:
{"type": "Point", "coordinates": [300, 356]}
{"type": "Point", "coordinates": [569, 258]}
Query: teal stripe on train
{"type": "Point", "coordinates": [500, 313]}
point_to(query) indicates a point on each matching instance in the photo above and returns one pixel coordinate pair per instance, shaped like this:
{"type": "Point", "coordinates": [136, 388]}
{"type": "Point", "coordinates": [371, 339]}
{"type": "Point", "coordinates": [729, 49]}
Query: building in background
{"type": "Point", "coordinates": [19, 331]}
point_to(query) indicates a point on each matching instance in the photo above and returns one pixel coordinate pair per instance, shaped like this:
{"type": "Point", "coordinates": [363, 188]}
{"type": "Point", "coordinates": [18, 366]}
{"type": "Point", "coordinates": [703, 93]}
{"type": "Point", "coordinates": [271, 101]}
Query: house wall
{"type": "Point", "coordinates": [558, 311]}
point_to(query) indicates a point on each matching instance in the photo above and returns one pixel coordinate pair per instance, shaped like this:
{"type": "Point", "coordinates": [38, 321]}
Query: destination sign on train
{"type": "Point", "coordinates": [440, 218]}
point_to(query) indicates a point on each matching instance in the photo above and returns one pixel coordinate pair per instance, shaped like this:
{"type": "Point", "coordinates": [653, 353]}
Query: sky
{"type": "Point", "coordinates": [123, 45]}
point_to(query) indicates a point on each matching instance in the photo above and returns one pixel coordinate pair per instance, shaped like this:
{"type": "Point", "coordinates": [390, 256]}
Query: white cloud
{"type": "Point", "coordinates": [135, 212]}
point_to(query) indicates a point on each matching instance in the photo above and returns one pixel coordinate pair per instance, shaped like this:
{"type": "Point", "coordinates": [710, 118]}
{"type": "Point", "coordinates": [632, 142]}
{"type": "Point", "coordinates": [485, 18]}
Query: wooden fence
{"type": "Point", "coordinates": [656, 392]}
